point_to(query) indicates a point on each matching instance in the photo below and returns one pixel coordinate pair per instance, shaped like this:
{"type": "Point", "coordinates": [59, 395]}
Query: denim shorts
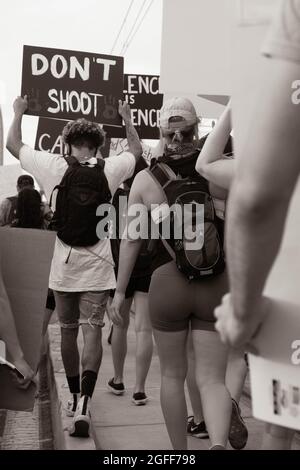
{"type": "Point", "coordinates": [81, 308]}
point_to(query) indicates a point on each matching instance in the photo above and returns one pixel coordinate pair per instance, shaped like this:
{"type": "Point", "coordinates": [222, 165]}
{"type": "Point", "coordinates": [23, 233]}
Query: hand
{"type": "Point", "coordinates": [235, 331]}
{"type": "Point", "coordinates": [28, 374]}
{"type": "Point", "coordinates": [124, 111]}
{"type": "Point", "coordinates": [20, 105]}
{"type": "Point", "coordinates": [115, 309]}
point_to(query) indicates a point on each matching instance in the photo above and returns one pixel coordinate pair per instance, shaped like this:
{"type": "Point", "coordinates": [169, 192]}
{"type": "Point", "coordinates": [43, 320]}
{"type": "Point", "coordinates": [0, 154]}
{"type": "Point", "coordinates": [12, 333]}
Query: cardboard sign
{"type": "Point", "coordinates": [142, 93]}
{"type": "Point", "coordinates": [274, 372]}
{"type": "Point", "coordinates": [49, 135]}
{"type": "Point", "coordinates": [25, 259]}
{"type": "Point", "coordinates": [9, 175]}
{"type": "Point", "coordinates": [67, 84]}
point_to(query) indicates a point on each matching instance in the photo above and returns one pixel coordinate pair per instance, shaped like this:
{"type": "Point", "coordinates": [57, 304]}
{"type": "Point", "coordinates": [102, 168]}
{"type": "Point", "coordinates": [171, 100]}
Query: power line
{"type": "Point", "coordinates": [133, 26]}
{"type": "Point", "coordinates": [138, 27]}
{"type": "Point", "coordinates": [122, 25]}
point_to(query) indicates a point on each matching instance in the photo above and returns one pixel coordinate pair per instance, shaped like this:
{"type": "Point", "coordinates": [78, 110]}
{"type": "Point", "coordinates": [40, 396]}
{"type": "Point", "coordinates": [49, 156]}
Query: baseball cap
{"type": "Point", "coordinates": [180, 108]}
{"type": "Point", "coordinates": [25, 180]}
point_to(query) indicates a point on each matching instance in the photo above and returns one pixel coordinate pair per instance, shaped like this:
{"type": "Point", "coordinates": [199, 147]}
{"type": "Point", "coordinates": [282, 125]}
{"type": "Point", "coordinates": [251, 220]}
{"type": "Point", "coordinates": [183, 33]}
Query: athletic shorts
{"type": "Point", "coordinates": [136, 284]}
{"type": "Point", "coordinates": [176, 304]}
{"type": "Point", "coordinates": [81, 308]}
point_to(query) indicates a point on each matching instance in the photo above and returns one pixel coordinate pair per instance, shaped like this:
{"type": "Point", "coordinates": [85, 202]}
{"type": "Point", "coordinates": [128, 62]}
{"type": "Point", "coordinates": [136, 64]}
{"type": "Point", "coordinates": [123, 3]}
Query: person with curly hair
{"type": "Point", "coordinates": [81, 276]}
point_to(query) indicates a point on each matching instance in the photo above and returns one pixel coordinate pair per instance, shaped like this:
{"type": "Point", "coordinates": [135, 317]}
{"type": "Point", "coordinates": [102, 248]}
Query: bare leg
{"type": "Point", "coordinates": [119, 343]}
{"type": "Point", "coordinates": [144, 341]}
{"type": "Point", "coordinates": [194, 393]}
{"type": "Point", "coordinates": [236, 373]}
{"type": "Point", "coordinates": [211, 361]}
{"type": "Point", "coordinates": [171, 348]}
{"type": "Point", "coordinates": [92, 349]}
{"type": "Point", "coordinates": [69, 351]}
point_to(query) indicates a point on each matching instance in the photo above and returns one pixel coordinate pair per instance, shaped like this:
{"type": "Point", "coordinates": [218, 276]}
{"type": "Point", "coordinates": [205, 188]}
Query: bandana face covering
{"type": "Point", "coordinates": [178, 150]}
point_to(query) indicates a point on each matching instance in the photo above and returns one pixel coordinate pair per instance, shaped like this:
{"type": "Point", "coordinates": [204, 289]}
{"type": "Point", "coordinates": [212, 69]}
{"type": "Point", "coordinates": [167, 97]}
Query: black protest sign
{"type": "Point", "coordinates": [49, 136]}
{"type": "Point", "coordinates": [142, 93]}
{"type": "Point", "coordinates": [67, 84]}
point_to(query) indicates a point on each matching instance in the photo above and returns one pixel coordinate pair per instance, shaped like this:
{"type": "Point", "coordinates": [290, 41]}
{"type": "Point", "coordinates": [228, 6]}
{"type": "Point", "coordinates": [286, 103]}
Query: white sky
{"type": "Point", "coordinates": [83, 25]}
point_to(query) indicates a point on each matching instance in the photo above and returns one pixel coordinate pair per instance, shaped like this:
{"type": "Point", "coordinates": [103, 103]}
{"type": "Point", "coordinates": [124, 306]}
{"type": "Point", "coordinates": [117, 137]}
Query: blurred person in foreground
{"type": "Point", "coordinates": [267, 172]}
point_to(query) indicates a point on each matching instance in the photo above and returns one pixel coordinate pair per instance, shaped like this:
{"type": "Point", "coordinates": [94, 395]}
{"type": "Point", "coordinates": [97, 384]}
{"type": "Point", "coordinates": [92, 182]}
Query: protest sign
{"type": "Point", "coordinates": [49, 139]}
{"type": "Point", "coordinates": [142, 93]}
{"type": "Point", "coordinates": [67, 84]}
{"type": "Point", "coordinates": [8, 180]}
{"type": "Point", "coordinates": [25, 257]}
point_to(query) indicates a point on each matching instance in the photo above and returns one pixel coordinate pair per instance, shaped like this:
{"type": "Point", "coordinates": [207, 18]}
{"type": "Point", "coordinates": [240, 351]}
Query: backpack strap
{"type": "Point", "coordinates": [162, 174]}
{"type": "Point", "coordinates": [100, 163]}
{"type": "Point", "coordinates": [71, 160]}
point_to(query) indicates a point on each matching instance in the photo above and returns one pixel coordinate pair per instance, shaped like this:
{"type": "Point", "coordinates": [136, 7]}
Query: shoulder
{"type": "Point", "coordinates": [118, 169]}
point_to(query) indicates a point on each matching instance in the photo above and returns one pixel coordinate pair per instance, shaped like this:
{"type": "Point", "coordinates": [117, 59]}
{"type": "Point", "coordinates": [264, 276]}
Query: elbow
{"type": "Point", "coordinates": [13, 147]}
{"type": "Point", "coordinates": [201, 168]}
{"type": "Point", "coordinates": [138, 152]}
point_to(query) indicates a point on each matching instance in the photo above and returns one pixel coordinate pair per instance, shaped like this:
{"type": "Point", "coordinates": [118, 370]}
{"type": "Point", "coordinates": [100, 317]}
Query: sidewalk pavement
{"type": "Point", "coordinates": [117, 424]}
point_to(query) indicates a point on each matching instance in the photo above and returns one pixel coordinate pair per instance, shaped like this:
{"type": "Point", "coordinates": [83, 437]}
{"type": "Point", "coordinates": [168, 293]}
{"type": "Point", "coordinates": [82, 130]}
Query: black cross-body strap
{"type": "Point", "coordinates": [162, 174]}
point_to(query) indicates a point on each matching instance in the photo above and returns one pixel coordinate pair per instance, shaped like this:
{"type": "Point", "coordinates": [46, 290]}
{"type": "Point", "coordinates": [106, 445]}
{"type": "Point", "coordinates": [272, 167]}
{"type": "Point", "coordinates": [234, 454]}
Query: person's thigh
{"type": "Point", "coordinates": [92, 307]}
{"type": "Point", "coordinates": [171, 348]}
{"type": "Point", "coordinates": [170, 300]}
{"type": "Point", "coordinates": [67, 308]}
{"type": "Point", "coordinates": [142, 316]}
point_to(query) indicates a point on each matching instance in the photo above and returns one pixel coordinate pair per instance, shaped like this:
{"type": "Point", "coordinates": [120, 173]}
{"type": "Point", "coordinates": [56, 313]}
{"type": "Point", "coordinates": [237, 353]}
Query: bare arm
{"type": "Point", "coordinates": [134, 144]}
{"type": "Point", "coordinates": [210, 163]}
{"type": "Point", "coordinates": [14, 138]}
{"type": "Point", "coordinates": [131, 245]}
{"type": "Point", "coordinates": [267, 172]}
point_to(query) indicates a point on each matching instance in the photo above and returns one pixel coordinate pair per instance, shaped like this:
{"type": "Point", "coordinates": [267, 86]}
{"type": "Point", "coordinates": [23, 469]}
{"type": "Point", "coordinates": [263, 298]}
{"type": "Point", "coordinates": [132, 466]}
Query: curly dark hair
{"type": "Point", "coordinates": [83, 132]}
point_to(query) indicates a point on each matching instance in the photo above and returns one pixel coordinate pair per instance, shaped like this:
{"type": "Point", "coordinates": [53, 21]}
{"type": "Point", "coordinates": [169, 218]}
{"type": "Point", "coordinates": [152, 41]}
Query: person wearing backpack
{"type": "Point", "coordinates": [188, 281]}
{"type": "Point", "coordinates": [82, 269]}
{"type": "Point", "coordinates": [137, 293]}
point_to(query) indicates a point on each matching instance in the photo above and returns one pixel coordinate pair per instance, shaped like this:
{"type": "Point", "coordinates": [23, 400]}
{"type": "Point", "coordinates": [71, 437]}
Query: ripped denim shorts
{"type": "Point", "coordinates": [81, 308]}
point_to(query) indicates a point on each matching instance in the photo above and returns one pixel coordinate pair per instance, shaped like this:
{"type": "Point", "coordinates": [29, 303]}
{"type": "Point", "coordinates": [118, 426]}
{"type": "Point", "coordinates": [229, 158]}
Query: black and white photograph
{"type": "Point", "coordinates": [149, 230]}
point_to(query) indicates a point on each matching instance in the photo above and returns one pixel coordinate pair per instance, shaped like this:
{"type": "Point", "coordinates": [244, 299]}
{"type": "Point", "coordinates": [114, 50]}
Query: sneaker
{"type": "Point", "coordinates": [197, 430]}
{"type": "Point", "coordinates": [116, 389]}
{"type": "Point", "coordinates": [238, 433]}
{"type": "Point", "coordinates": [72, 404]}
{"type": "Point", "coordinates": [81, 421]}
{"type": "Point", "coordinates": [110, 332]}
{"type": "Point", "coordinates": [139, 398]}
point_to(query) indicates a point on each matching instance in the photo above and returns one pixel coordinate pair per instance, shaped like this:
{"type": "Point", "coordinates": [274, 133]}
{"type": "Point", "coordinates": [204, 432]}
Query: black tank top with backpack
{"type": "Point", "coordinates": [82, 190]}
{"type": "Point", "coordinates": [183, 185]}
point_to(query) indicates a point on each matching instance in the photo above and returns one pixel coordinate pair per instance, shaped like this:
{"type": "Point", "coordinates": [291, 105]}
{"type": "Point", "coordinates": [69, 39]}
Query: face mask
{"type": "Point", "coordinates": [179, 150]}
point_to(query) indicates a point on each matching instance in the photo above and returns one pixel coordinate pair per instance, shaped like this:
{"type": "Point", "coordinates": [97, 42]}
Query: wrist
{"type": "Point", "coordinates": [120, 292]}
